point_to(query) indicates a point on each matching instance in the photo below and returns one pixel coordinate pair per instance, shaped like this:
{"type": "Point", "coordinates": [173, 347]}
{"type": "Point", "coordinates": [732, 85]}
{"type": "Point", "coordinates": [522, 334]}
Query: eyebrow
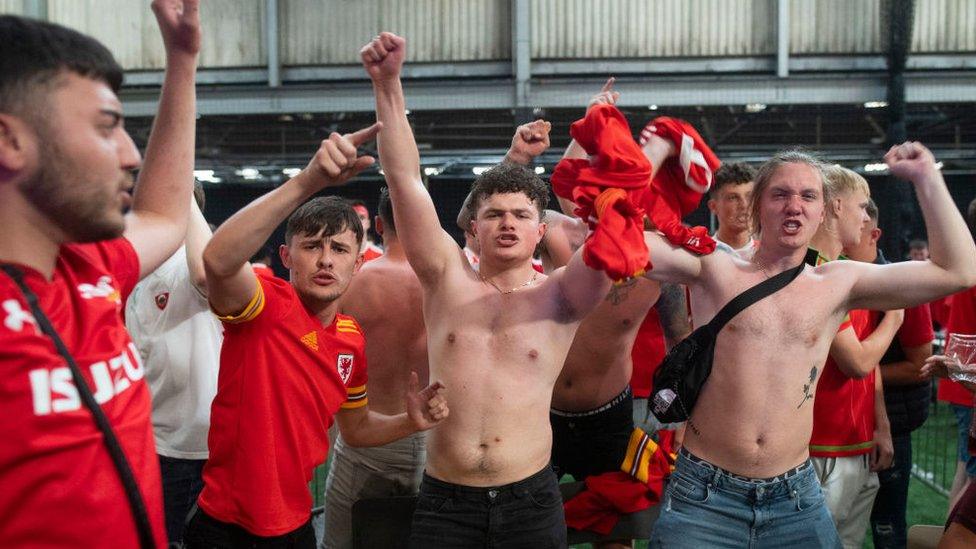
{"type": "Point", "coordinates": [114, 114]}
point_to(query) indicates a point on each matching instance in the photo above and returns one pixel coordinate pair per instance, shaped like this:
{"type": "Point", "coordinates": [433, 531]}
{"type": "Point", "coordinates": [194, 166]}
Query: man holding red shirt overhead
{"type": "Point", "coordinates": [289, 363]}
{"type": "Point", "coordinates": [65, 173]}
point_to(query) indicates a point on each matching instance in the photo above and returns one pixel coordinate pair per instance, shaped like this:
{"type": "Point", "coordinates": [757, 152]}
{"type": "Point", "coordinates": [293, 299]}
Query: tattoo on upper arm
{"type": "Point", "coordinates": [618, 292]}
{"type": "Point", "coordinates": [672, 308]}
{"type": "Point", "coordinates": [809, 388]}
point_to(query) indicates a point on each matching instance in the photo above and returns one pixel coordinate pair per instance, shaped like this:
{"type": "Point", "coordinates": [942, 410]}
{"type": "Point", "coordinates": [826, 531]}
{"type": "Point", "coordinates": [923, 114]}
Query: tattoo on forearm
{"type": "Point", "coordinates": [618, 293]}
{"type": "Point", "coordinates": [809, 388]}
{"type": "Point", "coordinates": [693, 427]}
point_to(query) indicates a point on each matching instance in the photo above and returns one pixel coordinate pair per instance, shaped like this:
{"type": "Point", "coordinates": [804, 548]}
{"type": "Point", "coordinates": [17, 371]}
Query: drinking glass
{"type": "Point", "coordinates": [961, 348]}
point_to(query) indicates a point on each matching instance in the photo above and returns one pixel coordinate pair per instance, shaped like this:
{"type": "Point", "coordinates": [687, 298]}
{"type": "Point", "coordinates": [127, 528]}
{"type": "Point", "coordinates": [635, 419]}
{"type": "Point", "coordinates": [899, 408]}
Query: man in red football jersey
{"type": "Point", "coordinates": [65, 173]}
{"type": "Point", "coordinates": [289, 363]}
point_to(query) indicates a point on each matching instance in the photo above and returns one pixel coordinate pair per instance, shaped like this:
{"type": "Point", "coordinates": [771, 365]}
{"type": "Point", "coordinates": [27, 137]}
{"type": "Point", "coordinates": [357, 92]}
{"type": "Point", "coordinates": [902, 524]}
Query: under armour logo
{"type": "Point", "coordinates": [103, 288]}
{"type": "Point", "coordinates": [16, 316]}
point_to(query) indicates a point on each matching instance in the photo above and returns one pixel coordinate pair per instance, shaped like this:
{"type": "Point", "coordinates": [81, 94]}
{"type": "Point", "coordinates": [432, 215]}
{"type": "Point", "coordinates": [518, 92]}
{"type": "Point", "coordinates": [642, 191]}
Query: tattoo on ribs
{"type": "Point", "coordinates": [809, 388]}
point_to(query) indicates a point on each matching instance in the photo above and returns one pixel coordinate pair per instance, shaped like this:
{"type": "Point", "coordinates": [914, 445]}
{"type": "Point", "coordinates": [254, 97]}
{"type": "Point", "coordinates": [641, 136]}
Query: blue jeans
{"type": "Point", "coordinates": [705, 506]}
{"type": "Point", "coordinates": [888, 525]}
{"type": "Point", "coordinates": [528, 514]}
{"type": "Point", "coordinates": [182, 483]}
{"type": "Point", "coordinates": [964, 417]}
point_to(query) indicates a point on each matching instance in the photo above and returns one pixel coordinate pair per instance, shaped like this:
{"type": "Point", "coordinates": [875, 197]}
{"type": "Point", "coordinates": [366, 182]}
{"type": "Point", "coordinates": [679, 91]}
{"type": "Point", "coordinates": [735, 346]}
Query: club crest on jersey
{"type": "Point", "coordinates": [344, 366]}
{"type": "Point", "coordinates": [161, 300]}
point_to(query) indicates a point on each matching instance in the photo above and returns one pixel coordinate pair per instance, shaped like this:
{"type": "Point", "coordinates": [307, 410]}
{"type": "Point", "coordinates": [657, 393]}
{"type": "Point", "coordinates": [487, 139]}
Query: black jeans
{"type": "Point", "coordinates": [594, 442]}
{"type": "Point", "coordinates": [182, 483]}
{"type": "Point", "coordinates": [206, 532]}
{"type": "Point", "coordinates": [528, 513]}
{"type": "Point", "coordinates": [890, 505]}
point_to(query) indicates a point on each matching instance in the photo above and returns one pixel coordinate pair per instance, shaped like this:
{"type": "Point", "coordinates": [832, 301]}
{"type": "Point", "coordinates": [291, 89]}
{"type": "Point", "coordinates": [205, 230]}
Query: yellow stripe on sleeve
{"type": "Point", "coordinates": [251, 310]}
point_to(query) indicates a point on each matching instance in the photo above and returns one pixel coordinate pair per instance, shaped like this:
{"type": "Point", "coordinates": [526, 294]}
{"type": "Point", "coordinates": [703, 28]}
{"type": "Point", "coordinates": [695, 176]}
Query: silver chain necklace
{"type": "Point", "coordinates": [535, 275]}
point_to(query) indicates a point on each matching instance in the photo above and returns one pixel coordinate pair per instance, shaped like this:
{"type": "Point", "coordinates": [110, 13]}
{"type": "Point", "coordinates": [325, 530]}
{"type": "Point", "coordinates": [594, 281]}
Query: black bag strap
{"type": "Point", "coordinates": [137, 505]}
{"type": "Point", "coordinates": [759, 291]}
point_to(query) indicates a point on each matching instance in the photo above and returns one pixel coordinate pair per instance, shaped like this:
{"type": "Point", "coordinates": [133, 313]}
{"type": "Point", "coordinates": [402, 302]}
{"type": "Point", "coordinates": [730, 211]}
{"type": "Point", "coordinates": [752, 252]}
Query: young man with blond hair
{"type": "Point", "coordinates": [851, 438]}
{"type": "Point", "coordinates": [743, 476]}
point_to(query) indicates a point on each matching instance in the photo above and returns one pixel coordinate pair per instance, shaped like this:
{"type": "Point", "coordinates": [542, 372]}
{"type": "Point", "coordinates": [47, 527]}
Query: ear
{"type": "Point", "coordinates": [543, 226]}
{"type": "Point", "coordinates": [378, 225]}
{"type": "Point", "coordinates": [360, 259]}
{"type": "Point", "coordinates": [472, 228]}
{"type": "Point", "coordinates": [835, 206]}
{"type": "Point", "coordinates": [875, 235]}
{"type": "Point", "coordinates": [17, 142]}
{"type": "Point", "coordinates": [285, 254]}
{"type": "Point", "coordinates": [711, 205]}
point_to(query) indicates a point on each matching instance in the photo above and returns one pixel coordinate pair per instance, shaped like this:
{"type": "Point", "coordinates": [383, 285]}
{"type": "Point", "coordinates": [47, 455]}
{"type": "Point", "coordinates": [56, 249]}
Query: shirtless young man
{"type": "Point", "coordinates": [743, 477]}
{"type": "Point", "coordinates": [592, 411]}
{"type": "Point", "coordinates": [498, 340]}
{"type": "Point", "coordinates": [386, 299]}
{"type": "Point", "coordinates": [593, 407]}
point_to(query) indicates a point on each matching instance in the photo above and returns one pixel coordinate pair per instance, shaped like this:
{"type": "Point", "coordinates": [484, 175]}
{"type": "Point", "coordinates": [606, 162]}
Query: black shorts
{"type": "Point", "coordinates": [594, 442]}
{"type": "Point", "coordinates": [527, 513]}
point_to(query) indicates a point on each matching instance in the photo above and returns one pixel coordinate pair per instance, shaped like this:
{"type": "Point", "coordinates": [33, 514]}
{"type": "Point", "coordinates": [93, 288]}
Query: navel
{"type": "Point", "coordinates": [533, 354]}
{"type": "Point", "coordinates": [451, 337]}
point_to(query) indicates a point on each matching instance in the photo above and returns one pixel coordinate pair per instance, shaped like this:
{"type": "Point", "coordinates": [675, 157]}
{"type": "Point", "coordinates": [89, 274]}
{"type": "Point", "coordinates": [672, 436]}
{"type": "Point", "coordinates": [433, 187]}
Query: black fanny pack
{"type": "Point", "coordinates": [685, 369]}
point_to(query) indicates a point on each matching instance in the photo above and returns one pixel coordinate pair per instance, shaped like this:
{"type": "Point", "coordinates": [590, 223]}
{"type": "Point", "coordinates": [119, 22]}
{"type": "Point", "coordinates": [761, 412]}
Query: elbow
{"type": "Point", "coordinates": [214, 265]}
{"type": "Point", "coordinates": [967, 280]}
{"type": "Point", "coordinates": [854, 370]}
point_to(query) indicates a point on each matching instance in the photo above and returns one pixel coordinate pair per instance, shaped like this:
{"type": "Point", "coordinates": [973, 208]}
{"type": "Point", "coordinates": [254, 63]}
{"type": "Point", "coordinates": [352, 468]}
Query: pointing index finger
{"type": "Point", "coordinates": [364, 135]}
{"type": "Point", "coordinates": [609, 85]}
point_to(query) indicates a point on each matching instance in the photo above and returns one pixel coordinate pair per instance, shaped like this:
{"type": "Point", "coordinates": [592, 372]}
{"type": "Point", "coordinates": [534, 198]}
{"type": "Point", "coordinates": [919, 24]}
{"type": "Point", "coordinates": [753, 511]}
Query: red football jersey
{"type": "Point", "coordinates": [962, 320]}
{"type": "Point", "coordinates": [283, 376]}
{"type": "Point", "coordinates": [843, 411]}
{"type": "Point", "coordinates": [647, 353]}
{"type": "Point", "coordinates": [58, 485]}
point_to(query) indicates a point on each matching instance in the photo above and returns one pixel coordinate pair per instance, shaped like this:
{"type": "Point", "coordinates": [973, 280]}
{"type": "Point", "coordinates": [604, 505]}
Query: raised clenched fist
{"type": "Point", "coordinates": [383, 56]}
{"type": "Point", "coordinates": [911, 161]}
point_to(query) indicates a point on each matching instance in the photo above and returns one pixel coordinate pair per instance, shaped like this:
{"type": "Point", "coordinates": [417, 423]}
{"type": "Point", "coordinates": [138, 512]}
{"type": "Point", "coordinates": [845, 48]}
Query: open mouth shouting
{"type": "Point", "coordinates": [792, 226]}
{"type": "Point", "coordinates": [507, 240]}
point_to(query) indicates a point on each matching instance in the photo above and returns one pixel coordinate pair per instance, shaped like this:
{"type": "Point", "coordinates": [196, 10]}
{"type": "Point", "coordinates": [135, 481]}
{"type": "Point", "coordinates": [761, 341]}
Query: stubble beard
{"type": "Point", "coordinates": [59, 191]}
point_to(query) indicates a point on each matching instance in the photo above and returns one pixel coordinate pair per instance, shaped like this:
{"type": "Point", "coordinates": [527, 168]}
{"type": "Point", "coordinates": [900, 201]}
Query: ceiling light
{"type": "Point", "coordinates": [652, 107]}
{"type": "Point", "coordinates": [539, 170]}
{"type": "Point", "coordinates": [291, 172]}
{"type": "Point", "coordinates": [938, 165]}
{"type": "Point", "coordinates": [755, 107]}
{"type": "Point", "coordinates": [875, 104]}
{"type": "Point", "coordinates": [206, 176]}
{"type": "Point", "coordinates": [249, 173]}
{"type": "Point", "coordinates": [478, 170]}
{"type": "Point", "coordinates": [431, 170]}
{"type": "Point", "coordinates": [876, 167]}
